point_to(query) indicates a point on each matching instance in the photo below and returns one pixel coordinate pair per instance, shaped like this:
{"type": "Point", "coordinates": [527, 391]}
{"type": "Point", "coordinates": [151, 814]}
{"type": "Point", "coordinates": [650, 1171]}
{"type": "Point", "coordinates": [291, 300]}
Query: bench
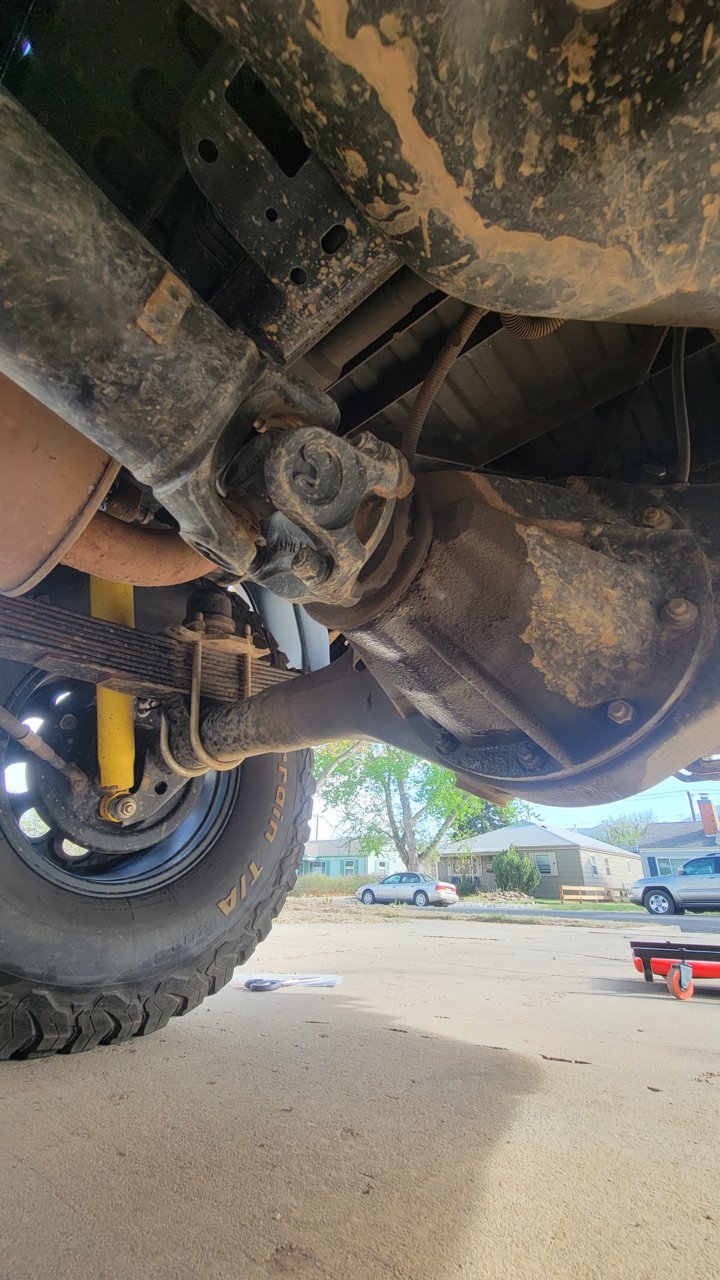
{"type": "Point", "coordinates": [584, 893]}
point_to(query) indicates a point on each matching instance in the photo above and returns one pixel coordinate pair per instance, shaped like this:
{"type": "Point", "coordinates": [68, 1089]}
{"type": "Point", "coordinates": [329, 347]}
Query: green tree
{"type": "Point", "coordinates": [515, 871]}
{"type": "Point", "coordinates": [626, 829]}
{"type": "Point", "coordinates": [492, 817]}
{"type": "Point", "coordinates": [389, 799]}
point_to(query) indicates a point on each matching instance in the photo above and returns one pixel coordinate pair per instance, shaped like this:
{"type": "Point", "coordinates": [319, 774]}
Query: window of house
{"type": "Point", "coordinates": [546, 863]}
{"type": "Point", "coordinates": [593, 866]}
{"type": "Point", "coordinates": [607, 866]}
{"type": "Point", "coordinates": [629, 867]}
{"type": "Point", "coordinates": [488, 865]}
{"type": "Point", "coordinates": [382, 865]}
{"type": "Point", "coordinates": [664, 867]}
{"type": "Point", "coordinates": [316, 867]}
{"type": "Point", "coordinates": [349, 866]}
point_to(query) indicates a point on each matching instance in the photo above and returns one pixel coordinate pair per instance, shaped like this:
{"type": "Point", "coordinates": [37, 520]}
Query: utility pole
{"type": "Point", "coordinates": [692, 805]}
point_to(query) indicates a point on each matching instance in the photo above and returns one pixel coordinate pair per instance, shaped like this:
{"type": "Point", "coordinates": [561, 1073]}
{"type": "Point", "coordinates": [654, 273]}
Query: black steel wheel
{"type": "Point", "coordinates": [107, 931]}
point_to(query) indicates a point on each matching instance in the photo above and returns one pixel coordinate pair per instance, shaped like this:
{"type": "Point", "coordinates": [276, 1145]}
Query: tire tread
{"type": "Point", "coordinates": [39, 1021]}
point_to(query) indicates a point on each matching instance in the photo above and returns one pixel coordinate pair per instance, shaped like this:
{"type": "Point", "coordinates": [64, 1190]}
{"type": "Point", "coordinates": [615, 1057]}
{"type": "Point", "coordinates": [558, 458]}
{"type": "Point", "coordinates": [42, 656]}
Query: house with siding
{"type": "Point", "coordinates": [343, 858]}
{"type": "Point", "coordinates": [561, 857]}
{"type": "Point", "coordinates": [665, 846]}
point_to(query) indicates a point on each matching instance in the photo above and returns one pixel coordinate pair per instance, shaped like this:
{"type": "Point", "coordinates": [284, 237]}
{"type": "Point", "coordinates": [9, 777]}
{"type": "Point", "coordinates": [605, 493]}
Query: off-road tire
{"type": "Point", "coordinates": [45, 1016]}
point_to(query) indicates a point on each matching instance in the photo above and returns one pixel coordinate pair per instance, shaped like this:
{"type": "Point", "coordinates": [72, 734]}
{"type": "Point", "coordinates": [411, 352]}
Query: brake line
{"type": "Point", "coordinates": [680, 409]}
{"type": "Point", "coordinates": [438, 372]}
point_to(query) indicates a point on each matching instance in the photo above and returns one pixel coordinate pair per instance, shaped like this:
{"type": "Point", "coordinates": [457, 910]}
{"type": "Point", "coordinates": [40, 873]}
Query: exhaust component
{"type": "Point", "coordinates": [121, 552]}
{"type": "Point", "coordinates": [52, 481]}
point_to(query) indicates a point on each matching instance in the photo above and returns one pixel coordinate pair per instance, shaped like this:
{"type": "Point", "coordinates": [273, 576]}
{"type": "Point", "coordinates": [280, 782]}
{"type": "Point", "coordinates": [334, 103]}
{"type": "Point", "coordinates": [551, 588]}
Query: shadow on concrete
{"type": "Point", "coordinates": [291, 1133]}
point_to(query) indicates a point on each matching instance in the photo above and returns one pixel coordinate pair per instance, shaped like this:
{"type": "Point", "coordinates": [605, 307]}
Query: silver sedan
{"type": "Point", "coordinates": [409, 886]}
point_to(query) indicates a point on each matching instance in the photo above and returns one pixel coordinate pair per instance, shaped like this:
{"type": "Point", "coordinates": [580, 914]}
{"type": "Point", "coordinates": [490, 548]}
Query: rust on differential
{"type": "Point", "coordinates": [592, 623]}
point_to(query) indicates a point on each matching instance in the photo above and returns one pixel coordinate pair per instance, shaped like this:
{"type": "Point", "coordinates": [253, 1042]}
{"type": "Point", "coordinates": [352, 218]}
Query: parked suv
{"type": "Point", "coordinates": [695, 886]}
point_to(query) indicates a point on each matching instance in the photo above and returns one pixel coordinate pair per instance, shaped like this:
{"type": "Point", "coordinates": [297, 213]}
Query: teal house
{"type": "Point", "coordinates": [343, 858]}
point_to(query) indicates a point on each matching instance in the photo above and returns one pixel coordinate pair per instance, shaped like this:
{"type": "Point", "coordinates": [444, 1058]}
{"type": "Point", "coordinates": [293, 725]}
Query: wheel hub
{"type": "Point", "coordinates": [61, 835]}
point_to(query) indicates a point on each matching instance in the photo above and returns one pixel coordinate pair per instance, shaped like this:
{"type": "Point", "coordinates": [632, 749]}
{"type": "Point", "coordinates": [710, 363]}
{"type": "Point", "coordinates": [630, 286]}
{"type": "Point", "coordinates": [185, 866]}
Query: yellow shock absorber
{"type": "Point", "coordinates": [113, 602]}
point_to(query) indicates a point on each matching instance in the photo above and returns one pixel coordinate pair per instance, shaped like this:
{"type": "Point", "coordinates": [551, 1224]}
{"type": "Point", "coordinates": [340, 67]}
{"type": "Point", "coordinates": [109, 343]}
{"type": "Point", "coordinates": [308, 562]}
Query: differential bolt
{"type": "Point", "coordinates": [680, 613]}
{"type": "Point", "coordinates": [656, 518]}
{"type": "Point", "coordinates": [68, 723]}
{"type": "Point", "coordinates": [620, 712]}
{"type": "Point", "coordinates": [529, 757]}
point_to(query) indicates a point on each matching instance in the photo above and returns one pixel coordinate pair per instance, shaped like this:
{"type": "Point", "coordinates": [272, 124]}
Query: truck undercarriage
{"type": "Point", "coordinates": [359, 376]}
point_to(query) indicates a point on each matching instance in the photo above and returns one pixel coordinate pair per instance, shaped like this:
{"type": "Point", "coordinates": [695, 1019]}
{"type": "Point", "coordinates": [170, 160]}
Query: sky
{"type": "Point", "coordinates": [668, 801]}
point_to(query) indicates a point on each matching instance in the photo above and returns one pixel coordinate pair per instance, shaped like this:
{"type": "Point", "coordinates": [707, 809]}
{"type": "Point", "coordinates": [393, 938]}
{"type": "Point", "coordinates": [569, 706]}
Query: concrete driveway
{"type": "Point", "coordinates": [476, 1100]}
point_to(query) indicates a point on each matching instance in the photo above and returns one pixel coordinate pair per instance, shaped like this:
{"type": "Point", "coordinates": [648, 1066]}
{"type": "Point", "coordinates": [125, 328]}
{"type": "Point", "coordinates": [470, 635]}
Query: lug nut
{"type": "Point", "coordinates": [680, 613]}
{"type": "Point", "coordinates": [656, 518]}
{"type": "Point", "coordinates": [620, 712]}
{"type": "Point", "coordinates": [577, 484]}
{"type": "Point", "coordinates": [68, 723]}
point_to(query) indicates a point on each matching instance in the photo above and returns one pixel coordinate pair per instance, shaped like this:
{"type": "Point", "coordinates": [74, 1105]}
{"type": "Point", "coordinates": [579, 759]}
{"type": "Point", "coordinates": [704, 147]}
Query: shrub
{"type": "Point", "coordinates": [466, 887]}
{"type": "Point", "coordinates": [515, 871]}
